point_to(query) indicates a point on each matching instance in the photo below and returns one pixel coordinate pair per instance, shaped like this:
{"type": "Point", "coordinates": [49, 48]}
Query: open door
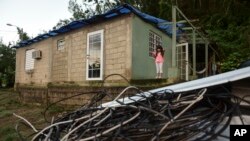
{"type": "Point", "coordinates": [182, 60]}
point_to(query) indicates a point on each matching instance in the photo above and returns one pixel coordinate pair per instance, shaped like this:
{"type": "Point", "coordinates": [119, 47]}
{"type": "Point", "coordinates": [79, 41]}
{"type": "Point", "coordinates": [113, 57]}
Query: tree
{"type": "Point", "coordinates": [96, 7]}
{"type": "Point", "coordinates": [7, 65]}
{"type": "Point", "coordinates": [91, 8]}
{"type": "Point", "coordinates": [86, 9]}
{"type": "Point", "coordinates": [22, 35]}
{"type": "Point", "coordinates": [7, 60]}
{"type": "Point", "coordinates": [228, 25]}
{"type": "Point", "coordinates": [61, 23]}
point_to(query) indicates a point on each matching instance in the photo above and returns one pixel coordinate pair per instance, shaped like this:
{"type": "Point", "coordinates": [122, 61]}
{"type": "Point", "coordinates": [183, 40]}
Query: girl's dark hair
{"type": "Point", "coordinates": [161, 50]}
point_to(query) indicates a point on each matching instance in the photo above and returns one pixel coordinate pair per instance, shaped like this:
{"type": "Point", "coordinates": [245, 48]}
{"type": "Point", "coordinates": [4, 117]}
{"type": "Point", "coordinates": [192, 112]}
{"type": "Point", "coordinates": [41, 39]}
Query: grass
{"type": "Point", "coordinates": [5, 113]}
{"type": "Point", "coordinates": [8, 134]}
{"type": "Point", "coordinates": [2, 109]}
{"type": "Point", "coordinates": [9, 104]}
{"type": "Point", "coordinates": [56, 109]}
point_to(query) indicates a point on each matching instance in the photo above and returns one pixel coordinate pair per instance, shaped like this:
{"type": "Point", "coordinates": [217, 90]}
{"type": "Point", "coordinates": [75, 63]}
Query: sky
{"type": "Point", "coordinates": [34, 16]}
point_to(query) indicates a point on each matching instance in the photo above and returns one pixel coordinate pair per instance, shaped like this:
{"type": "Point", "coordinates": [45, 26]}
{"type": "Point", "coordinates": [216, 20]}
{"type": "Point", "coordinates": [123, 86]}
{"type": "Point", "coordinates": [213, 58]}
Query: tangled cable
{"type": "Point", "coordinates": [165, 115]}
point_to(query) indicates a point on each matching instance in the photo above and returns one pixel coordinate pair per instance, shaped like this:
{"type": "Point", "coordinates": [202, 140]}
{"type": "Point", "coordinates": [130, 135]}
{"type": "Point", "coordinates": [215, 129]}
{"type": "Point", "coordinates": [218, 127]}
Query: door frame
{"type": "Point", "coordinates": [186, 59]}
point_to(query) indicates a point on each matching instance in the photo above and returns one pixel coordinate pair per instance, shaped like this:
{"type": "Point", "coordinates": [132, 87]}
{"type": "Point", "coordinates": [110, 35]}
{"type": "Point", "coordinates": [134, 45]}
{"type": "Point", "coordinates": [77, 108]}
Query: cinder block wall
{"type": "Point", "coordinates": [41, 73]}
{"type": "Point", "coordinates": [70, 64]}
{"type": "Point", "coordinates": [46, 96]}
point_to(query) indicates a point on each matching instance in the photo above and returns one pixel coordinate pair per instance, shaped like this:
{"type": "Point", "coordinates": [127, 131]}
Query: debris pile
{"type": "Point", "coordinates": [193, 115]}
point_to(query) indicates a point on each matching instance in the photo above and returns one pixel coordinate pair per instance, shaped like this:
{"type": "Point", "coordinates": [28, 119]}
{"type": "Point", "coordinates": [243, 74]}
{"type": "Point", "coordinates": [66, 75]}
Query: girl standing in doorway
{"type": "Point", "coordinates": [159, 59]}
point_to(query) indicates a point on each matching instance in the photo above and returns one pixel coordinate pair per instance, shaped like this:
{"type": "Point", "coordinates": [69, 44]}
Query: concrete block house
{"type": "Point", "coordinates": [84, 52]}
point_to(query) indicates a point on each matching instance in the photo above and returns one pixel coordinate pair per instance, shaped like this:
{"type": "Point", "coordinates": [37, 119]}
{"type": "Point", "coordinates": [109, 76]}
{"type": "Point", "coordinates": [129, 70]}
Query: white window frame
{"type": "Point", "coordinates": [154, 42]}
{"type": "Point", "coordinates": [101, 57]}
{"type": "Point", "coordinates": [28, 59]}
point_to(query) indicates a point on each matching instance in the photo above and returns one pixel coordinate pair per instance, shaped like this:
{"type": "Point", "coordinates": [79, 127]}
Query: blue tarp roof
{"type": "Point", "coordinates": [118, 11]}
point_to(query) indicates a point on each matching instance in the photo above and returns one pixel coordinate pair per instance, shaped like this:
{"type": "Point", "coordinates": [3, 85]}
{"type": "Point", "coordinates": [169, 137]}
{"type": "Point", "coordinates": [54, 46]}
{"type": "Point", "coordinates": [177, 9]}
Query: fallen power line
{"type": "Point", "coordinates": [161, 114]}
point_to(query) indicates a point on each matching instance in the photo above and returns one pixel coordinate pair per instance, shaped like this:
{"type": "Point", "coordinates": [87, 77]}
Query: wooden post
{"type": "Point", "coordinates": [194, 54]}
{"type": "Point", "coordinates": [173, 36]}
{"type": "Point", "coordinates": [206, 57]}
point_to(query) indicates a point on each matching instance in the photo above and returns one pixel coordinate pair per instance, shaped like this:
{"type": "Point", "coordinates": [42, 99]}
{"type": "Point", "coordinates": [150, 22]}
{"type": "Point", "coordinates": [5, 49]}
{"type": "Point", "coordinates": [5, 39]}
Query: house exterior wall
{"type": "Point", "coordinates": [69, 64]}
{"type": "Point", "coordinates": [143, 66]}
{"type": "Point", "coordinates": [41, 73]}
{"type": "Point", "coordinates": [126, 52]}
{"type": "Point", "coordinates": [59, 71]}
{"type": "Point", "coordinates": [62, 73]}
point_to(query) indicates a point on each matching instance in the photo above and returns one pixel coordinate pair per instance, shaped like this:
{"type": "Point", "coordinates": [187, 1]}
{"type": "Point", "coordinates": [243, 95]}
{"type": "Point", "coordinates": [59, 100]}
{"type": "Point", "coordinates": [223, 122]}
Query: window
{"type": "Point", "coordinates": [29, 61]}
{"type": "Point", "coordinates": [94, 68]}
{"type": "Point", "coordinates": [60, 44]}
{"type": "Point", "coordinates": [154, 40]}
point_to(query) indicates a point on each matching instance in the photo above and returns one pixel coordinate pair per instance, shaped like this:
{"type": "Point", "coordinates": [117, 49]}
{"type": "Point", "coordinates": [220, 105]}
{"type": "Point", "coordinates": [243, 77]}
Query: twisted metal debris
{"type": "Point", "coordinates": [164, 115]}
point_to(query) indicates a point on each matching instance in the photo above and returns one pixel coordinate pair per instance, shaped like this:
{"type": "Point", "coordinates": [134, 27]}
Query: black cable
{"type": "Point", "coordinates": [202, 119]}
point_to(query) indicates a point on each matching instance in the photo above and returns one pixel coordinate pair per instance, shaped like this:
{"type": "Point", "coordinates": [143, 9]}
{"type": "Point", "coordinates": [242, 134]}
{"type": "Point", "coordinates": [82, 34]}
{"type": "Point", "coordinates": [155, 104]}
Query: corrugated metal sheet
{"type": "Point", "coordinates": [191, 85]}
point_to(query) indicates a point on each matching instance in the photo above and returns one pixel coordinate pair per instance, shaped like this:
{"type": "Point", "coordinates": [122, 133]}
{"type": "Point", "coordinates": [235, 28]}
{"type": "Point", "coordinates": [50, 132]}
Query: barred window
{"type": "Point", "coordinates": [154, 40]}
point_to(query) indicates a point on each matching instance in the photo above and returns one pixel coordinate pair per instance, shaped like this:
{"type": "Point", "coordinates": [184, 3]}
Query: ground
{"type": "Point", "coordinates": [9, 104]}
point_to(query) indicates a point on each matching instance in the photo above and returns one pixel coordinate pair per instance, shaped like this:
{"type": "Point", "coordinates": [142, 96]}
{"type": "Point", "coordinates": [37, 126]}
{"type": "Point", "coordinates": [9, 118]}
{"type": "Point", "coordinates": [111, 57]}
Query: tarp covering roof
{"type": "Point", "coordinates": [118, 11]}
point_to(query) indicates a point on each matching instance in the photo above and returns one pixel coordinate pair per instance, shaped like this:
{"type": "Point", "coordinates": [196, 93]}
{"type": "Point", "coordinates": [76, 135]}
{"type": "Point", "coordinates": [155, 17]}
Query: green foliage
{"type": "Point", "coordinates": [9, 134]}
{"type": "Point", "coordinates": [2, 108]}
{"type": "Point", "coordinates": [76, 10]}
{"type": "Point", "coordinates": [61, 23]}
{"type": "Point", "coordinates": [5, 113]}
{"type": "Point", "coordinates": [7, 65]}
{"type": "Point", "coordinates": [8, 60]}
{"type": "Point", "coordinates": [86, 9]}
{"type": "Point", "coordinates": [230, 29]}
{"type": "Point", "coordinates": [22, 35]}
{"type": "Point", "coordinates": [11, 137]}
{"type": "Point", "coordinates": [56, 109]}
{"type": "Point", "coordinates": [91, 7]}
